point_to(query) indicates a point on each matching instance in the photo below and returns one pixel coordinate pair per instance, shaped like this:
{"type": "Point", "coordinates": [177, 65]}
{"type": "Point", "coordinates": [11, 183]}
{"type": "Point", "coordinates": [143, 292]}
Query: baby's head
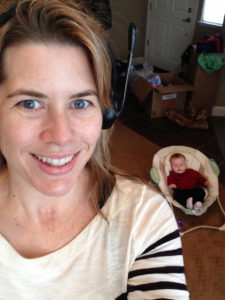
{"type": "Point", "coordinates": [178, 163]}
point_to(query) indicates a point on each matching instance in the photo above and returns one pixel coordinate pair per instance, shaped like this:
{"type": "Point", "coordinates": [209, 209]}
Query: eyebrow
{"type": "Point", "coordinates": [23, 92]}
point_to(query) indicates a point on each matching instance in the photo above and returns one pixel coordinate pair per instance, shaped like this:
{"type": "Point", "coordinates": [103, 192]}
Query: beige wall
{"type": "Point", "coordinates": [126, 11]}
{"type": "Point", "coordinates": [123, 13]}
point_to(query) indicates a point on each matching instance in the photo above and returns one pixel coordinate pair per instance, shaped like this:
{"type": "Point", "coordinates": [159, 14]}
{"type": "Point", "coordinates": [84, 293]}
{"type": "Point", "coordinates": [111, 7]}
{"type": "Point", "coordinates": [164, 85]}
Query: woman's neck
{"type": "Point", "coordinates": [23, 199]}
{"type": "Point", "coordinates": [35, 224]}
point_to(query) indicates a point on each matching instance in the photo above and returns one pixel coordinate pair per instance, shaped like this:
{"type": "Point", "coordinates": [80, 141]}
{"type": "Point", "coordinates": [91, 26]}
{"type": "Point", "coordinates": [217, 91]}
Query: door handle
{"type": "Point", "coordinates": [188, 20]}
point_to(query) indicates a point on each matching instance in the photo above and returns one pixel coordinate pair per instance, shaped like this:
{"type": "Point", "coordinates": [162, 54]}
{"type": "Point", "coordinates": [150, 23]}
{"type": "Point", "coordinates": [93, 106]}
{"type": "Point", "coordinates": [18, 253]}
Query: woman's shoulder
{"type": "Point", "coordinates": [134, 186]}
{"type": "Point", "coordinates": [133, 202]}
{"type": "Point", "coordinates": [133, 194]}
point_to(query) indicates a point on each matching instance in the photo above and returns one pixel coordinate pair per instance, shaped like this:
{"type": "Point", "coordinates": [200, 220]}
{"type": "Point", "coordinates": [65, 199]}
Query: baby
{"type": "Point", "coordinates": [187, 184]}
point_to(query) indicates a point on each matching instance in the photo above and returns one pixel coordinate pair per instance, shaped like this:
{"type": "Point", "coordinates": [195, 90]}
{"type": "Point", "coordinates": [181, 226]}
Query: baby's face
{"type": "Point", "coordinates": [178, 165]}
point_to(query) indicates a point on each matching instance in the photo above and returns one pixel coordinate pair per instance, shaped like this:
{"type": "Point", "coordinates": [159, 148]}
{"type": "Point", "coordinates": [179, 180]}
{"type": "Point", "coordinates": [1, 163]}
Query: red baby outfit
{"type": "Point", "coordinates": [188, 180]}
{"type": "Point", "coordinates": [188, 184]}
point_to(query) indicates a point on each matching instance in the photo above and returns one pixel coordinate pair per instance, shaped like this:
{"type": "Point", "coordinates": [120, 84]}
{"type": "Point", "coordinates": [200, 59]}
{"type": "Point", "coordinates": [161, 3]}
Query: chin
{"type": "Point", "coordinates": [57, 188]}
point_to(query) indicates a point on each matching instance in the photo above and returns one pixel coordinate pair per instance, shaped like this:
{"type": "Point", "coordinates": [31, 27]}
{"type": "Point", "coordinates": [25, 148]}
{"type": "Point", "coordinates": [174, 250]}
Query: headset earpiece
{"type": "Point", "coordinates": [109, 116]}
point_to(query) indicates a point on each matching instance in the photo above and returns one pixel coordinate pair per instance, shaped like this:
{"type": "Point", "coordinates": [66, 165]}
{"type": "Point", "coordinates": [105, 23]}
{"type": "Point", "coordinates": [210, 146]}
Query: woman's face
{"type": "Point", "coordinates": [50, 117]}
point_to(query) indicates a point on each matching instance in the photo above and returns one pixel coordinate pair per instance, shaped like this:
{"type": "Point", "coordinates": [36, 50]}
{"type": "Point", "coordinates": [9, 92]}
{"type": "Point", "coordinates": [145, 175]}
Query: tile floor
{"type": "Point", "coordinates": [165, 132]}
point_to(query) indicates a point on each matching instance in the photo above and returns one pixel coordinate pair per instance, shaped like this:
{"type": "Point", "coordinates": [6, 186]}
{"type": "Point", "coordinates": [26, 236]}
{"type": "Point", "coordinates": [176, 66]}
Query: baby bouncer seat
{"type": "Point", "coordinates": [196, 160]}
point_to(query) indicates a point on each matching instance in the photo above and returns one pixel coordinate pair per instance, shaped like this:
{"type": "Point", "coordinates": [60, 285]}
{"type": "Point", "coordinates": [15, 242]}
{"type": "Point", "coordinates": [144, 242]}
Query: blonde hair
{"type": "Point", "coordinates": [66, 22]}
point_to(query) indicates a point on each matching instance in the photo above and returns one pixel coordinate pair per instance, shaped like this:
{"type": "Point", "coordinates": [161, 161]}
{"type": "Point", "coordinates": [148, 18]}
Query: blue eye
{"type": "Point", "coordinates": [30, 104]}
{"type": "Point", "coordinates": [80, 104]}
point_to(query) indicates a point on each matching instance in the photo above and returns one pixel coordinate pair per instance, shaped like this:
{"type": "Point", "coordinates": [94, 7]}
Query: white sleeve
{"type": "Point", "coordinates": [157, 271]}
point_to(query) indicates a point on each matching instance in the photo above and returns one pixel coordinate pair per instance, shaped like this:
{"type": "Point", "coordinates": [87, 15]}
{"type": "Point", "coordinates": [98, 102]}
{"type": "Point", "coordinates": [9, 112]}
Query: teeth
{"type": "Point", "coordinates": [56, 162]}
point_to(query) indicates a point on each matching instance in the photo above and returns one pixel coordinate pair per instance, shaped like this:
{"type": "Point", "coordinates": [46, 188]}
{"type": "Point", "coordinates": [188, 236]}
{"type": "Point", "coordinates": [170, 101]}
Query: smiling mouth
{"type": "Point", "coordinates": [55, 162]}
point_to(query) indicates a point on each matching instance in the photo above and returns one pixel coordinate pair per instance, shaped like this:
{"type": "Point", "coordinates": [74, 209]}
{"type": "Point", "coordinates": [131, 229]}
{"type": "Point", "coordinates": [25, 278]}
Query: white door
{"type": "Point", "coordinates": [170, 28]}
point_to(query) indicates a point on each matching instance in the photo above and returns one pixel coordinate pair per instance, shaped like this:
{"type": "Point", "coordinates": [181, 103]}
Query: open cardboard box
{"type": "Point", "coordinates": [161, 98]}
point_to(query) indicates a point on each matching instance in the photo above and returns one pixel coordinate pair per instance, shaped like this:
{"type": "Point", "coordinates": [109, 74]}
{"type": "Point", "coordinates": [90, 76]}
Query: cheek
{"type": "Point", "coordinates": [91, 131]}
{"type": "Point", "coordinates": [92, 134]}
{"type": "Point", "coordinates": [13, 136]}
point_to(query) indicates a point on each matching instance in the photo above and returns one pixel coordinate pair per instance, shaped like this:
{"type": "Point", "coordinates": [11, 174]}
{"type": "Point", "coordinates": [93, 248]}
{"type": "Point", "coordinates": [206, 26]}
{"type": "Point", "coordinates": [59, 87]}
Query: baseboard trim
{"type": "Point", "coordinates": [218, 111]}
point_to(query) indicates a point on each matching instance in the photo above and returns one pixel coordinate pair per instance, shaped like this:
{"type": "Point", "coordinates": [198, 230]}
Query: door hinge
{"type": "Point", "coordinates": [147, 42]}
{"type": "Point", "coordinates": [150, 5]}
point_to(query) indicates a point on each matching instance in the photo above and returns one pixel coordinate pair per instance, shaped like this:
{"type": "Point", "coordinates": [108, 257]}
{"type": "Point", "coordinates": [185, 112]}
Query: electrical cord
{"type": "Point", "coordinates": [221, 228]}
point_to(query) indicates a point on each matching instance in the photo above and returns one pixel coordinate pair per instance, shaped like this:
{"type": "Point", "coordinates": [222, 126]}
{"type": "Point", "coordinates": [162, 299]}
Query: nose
{"type": "Point", "coordinates": [57, 129]}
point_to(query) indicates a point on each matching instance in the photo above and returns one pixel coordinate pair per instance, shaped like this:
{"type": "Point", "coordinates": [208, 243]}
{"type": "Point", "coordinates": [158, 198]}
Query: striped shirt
{"type": "Point", "coordinates": [136, 254]}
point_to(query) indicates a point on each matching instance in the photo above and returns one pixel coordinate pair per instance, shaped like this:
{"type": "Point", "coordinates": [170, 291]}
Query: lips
{"type": "Point", "coordinates": [55, 162]}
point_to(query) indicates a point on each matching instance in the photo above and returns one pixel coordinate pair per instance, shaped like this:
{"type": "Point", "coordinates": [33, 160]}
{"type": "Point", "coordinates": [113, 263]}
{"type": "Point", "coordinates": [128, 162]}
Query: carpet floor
{"type": "Point", "coordinates": [203, 249]}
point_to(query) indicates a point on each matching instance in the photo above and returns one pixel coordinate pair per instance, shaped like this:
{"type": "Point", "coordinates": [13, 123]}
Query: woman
{"type": "Point", "coordinates": [70, 228]}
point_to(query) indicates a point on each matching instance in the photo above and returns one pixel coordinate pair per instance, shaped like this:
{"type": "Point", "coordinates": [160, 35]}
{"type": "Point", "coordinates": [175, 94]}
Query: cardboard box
{"type": "Point", "coordinates": [206, 85]}
{"type": "Point", "coordinates": [160, 99]}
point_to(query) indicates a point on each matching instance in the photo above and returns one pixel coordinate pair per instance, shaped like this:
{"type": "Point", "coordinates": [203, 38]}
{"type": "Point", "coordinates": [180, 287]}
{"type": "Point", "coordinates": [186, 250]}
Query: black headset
{"type": "Point", "coordinates": [109, 115]}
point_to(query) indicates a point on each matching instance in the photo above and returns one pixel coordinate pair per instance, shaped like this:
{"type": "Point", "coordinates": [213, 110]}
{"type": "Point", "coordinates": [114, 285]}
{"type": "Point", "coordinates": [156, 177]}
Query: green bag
{"type": "Point", "coordinates": [211, 62]}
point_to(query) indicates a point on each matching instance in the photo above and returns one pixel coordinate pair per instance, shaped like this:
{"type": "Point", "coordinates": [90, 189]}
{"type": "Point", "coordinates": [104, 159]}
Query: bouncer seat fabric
{"type": "Point", "coordinates": [196, 160]}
